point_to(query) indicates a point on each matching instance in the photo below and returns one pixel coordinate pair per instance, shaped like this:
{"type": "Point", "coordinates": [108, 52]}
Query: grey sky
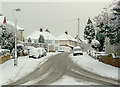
{"type": "Point", "coordinates": [58, 17]}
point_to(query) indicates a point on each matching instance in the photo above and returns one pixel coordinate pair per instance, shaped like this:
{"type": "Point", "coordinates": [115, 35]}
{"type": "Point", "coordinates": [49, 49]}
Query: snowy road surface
{"type": "Point", "coordinates": [58, 66]}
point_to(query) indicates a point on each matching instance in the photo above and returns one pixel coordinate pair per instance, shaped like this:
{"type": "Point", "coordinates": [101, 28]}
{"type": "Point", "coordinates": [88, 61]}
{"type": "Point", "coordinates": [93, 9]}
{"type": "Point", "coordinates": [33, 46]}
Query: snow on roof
{"type": "Point", "coordinates": [12, 24]}
{"type": "Point", "coordinates": [65, 37]}
{"type": "Point", "coordinates": [77, 47]}
{"type": "Point", "coordinates": [84, 41]}
{"type": "Point", "coordinates": [9, 23]}
{"type": "Point", "coordinates": [20, 45]}
{"type": "Point", "coordinates": [69, 45]}
{"type": "Point", "coordinates": [1, 19]}
{"type": "Point", "coordinates": [95, 42]}
{"type": "Point", "coordinates": [36, 35]}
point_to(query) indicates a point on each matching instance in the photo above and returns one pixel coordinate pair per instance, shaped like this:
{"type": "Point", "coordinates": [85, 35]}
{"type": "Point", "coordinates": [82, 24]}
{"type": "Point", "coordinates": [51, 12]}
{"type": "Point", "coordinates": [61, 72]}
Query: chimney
{"type": "Point", "coordinates": [41, 30]}
{"type": "Point", "coordinates": [1, 14]}
{"type": "Point", "coordinates": [4, 22]}
{"type": "Point", "coordinates": [66, 32]}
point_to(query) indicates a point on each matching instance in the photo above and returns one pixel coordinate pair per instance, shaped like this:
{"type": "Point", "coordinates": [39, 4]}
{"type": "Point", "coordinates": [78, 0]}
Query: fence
{"type": "Point", "coordinates": [4, 55]}
{"type": "Point", "coordinates": [110, 59]}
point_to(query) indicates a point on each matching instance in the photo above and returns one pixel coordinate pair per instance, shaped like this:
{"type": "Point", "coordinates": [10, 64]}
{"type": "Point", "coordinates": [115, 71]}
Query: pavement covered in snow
{"type": "Point", "coordinates": [9, 73]}
{"type": "Point", "coordinates": [95, 66]}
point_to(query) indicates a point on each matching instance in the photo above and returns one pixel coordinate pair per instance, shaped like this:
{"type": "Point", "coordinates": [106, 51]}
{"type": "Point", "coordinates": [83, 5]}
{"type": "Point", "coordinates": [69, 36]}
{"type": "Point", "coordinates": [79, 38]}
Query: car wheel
{"type": "Point", "coordinates": [39, 57]}
{"type": "Point", "coordinates": [74, 54]}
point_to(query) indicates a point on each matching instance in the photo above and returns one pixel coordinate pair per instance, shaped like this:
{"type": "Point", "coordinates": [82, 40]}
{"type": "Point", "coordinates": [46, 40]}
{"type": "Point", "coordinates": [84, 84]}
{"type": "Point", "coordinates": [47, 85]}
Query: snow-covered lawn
{"type": "Point", "coordinates": [90, 64]}
{"type": "Point", "coordinates": [9, 73]}
{"type": "Point", "coordinates": [67, 80]}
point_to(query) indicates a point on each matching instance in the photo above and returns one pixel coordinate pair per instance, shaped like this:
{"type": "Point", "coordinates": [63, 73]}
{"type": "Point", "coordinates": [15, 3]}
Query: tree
{"type": "Point", "coordinates": [41, 39]}
{"type": "Point", "coordinates": [7, 39]}
{"type": "Point", "coordinates": [101, 40]}
{"type": "Point", "coordinates": [114, 35]}
{"type": "Point", "coordinates": [111, 29]}
{"type": "Point", "coordinates": [89, 32]}
{"type": "Point", "coordinates": [29, 40]}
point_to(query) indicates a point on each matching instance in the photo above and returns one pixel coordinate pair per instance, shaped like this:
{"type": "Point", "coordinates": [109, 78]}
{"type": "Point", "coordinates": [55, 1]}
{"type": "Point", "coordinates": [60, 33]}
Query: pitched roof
{"type": "Point", "coordinates": [1, 20]}
{"type": "Point", "coordinates": [12, 24]}
{"type": "Point", "coordinates": [36, 35]}
{"type": "Point", "coordinates": [65, 37]}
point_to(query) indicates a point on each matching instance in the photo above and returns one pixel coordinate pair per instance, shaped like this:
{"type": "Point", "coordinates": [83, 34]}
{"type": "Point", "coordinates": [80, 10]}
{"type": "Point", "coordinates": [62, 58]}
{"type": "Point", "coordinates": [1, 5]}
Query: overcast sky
{"type": "Point", "coordinates": [58, 17]}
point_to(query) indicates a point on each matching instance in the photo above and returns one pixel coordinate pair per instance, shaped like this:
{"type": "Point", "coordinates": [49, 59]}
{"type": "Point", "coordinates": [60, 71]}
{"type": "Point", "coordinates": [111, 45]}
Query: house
{"type": "Point", "coordinates": [65, 41]}
{"type": "Point", "coordinates": [49, 39]}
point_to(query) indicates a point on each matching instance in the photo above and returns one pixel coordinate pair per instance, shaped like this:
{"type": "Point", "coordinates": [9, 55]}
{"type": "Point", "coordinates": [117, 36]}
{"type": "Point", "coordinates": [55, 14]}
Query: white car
{"type": "Point", "coordinates": [77, 51]}
{"type": "Point", "coordinates": [37, 53]}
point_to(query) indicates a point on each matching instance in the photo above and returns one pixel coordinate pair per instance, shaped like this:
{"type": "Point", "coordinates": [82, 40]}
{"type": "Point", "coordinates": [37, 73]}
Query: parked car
{"type": "Point", "coordinates": [77, 51]}
{"type": "Point", "coordinates": [61, 51]}
{"type": "Point", "coordinates": [37, 53]}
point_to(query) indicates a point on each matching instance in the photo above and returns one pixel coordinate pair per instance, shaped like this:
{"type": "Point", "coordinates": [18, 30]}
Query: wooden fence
{"type": "Point", "coordinates": [4, 55]}
{"type": "Point", "coordinates": [110, 60]}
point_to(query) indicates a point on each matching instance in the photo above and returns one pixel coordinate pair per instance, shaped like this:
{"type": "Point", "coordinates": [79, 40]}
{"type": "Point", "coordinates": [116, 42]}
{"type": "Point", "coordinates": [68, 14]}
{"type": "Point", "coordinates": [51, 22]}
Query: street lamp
{"type": "Point", "coordinates": [78, 30]}
{"type": "Point", "coordinates": [15, 60]}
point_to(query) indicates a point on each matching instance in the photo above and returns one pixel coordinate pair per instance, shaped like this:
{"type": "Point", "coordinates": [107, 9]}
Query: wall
{"type": "Point", "coordinates": [21, 35]}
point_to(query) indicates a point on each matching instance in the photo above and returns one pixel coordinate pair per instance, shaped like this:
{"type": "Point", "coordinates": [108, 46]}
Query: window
{"type": "Point", "coordinates": [56, 41]}
{"type": "Point", "coordinates": [50, 41]}
{"type": "Point", "coordinates": [56, 48]}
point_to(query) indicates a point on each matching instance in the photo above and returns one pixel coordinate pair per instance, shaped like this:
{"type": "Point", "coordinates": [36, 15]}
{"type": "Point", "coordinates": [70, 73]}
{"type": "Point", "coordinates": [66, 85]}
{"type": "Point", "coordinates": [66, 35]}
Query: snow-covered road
{"type": "Point", "coordinates": [27, 65]}
{"type": "Point", "coordinates": [58, 66]}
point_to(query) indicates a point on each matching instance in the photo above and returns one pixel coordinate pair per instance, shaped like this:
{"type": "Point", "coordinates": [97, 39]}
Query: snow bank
{"type": "Point", "coordinates": [25, 66]}
{"type": "Point", "coordinates": [95, 66]}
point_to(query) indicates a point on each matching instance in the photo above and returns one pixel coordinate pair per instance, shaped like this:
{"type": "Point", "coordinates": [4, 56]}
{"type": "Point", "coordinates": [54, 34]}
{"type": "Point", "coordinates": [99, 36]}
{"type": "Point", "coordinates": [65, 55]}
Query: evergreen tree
{"type": "Point", "coordinates": [7, 39]}
{"type": "Point", "coordinates": [114, 31]}
{"type": "Point", "coordinates": [41, 39]}
{"type": "Point", "coordinates": [101, 40]}
{"type": "Point", "coordinates": [111, 29]}
{"type": "Point", "coordinates": [89, 32]}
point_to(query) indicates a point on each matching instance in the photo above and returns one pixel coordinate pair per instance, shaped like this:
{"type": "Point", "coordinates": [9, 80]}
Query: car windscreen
{"type": "Point", "coordinates": [77, 49]}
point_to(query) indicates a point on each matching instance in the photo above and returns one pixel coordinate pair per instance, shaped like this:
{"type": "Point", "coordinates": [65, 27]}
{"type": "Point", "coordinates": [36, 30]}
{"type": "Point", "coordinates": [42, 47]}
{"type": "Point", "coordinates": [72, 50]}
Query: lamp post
{"type": "Point", "coordinates": [78, 29]}
{"type": "Point", "coordinates": [15, 60]}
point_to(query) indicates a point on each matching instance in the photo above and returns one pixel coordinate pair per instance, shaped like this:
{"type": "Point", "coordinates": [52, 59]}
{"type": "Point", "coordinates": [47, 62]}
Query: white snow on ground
{"type": "Point", "coordinates": [67, 80]}
{"type": "Point", "coordinates": [9, 73]}
{"type": "Point", "coordinates": [95, 66]}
